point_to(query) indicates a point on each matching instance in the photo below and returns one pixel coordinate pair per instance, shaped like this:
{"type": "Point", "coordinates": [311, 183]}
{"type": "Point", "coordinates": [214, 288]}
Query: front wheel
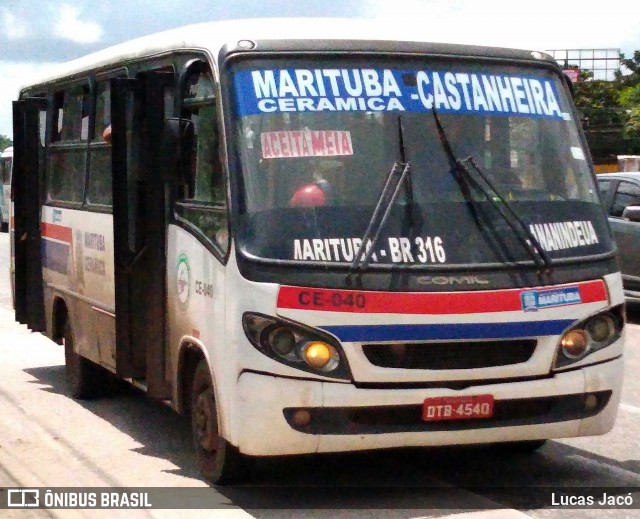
{"type": "Point", "coordinates": [218, 460]}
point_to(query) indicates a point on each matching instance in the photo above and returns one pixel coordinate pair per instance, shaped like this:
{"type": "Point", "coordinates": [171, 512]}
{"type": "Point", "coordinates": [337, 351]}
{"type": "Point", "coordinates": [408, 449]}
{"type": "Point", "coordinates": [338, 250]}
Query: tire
{"type": "Point", "coordinates": [85, 379]}
{"type": "Point", "coordinates": [218, 460]}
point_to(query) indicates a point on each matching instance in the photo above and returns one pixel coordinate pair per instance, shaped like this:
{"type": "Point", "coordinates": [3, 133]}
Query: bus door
{"type": "Point", "coordinates": [26, 194]}
{"type": "Point", "coordinates": [140, 214]}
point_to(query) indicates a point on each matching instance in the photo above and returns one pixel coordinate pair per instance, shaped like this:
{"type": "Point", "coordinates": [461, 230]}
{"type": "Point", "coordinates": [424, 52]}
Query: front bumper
{"type": "Point", "coordinates": [347, 418]}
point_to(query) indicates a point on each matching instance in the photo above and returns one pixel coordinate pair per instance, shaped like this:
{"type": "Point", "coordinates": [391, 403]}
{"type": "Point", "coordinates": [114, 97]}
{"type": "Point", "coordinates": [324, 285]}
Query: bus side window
{"type": "Point", "coordinates": [75, 118]}
{"type": "Point", "coordinates": [99, 186]}
{"type": "Point", "coordinates": [4, 171]}
{"type": "Point", "coordinates": [67, 155]}
{"type": "Point", "coordinates": [206, 172]}
{"type": "Point", "coordinates": [205, 203]}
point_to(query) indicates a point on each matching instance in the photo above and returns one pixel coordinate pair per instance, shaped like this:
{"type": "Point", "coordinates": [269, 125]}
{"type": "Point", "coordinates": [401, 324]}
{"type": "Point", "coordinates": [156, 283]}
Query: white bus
{"type": "Point", "coordinates": [6, 160]}
{"type": "Point", "coordinates": [313, 239]}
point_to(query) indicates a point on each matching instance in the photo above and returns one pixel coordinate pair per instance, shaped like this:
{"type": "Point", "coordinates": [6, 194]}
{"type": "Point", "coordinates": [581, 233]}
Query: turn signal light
{"type": "Point", "coordinates": [319, 354]}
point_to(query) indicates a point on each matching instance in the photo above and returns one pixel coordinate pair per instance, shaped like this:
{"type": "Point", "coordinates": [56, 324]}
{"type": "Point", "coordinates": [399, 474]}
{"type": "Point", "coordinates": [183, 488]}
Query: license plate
{"type": "Point", "coordinates": [457, 408]}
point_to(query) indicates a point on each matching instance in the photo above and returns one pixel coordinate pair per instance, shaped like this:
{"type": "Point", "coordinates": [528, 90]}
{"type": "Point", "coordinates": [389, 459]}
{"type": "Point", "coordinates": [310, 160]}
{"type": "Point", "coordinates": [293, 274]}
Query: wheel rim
{"type": "Point", "coordinates": [206, 421]}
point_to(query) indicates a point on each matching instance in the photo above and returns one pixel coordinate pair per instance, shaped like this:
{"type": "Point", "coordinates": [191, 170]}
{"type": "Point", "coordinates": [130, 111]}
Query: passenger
{"type": "Point", "coordinates": [106, 134]}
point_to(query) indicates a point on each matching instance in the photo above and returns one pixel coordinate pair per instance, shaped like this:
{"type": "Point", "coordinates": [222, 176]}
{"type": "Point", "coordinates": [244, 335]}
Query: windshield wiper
{"type": "Point", "coordinates": [504, 207]}
{"type": "Point", "coordinates": [400, 172]}
{"type": "Point", "coordinates": [462, 173]}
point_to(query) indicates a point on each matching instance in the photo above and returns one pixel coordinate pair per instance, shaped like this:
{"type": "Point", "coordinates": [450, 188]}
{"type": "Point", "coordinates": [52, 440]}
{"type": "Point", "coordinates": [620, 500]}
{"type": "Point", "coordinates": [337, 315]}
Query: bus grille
{"type": "Point", "coordinates": [449, 355]}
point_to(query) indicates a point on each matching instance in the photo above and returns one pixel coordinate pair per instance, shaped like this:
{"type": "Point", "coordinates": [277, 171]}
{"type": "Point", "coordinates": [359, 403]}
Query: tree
{"type": "Point", "coordinates": [633, 64]}
{"type": "Point", "coordinates": [612, 110]}
{"type": "Point", "coordinates": [632, 128]}
{"type": "Point", "coordinates": [630, 101]}
{"type": "Point", "coordinates": [630, 98]}
{"type": "Point", "coordinates": [5, 142]}
{"type": "Point", "coordinates": [599, 101]}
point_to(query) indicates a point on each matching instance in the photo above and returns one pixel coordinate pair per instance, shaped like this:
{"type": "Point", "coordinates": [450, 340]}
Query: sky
{"type": "Point", "coordinates": [36, 34]}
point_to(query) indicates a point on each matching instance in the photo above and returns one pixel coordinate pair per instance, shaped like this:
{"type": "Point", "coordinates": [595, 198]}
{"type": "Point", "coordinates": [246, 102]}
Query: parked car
{"type": "Point", "coordinates": [620, 194]}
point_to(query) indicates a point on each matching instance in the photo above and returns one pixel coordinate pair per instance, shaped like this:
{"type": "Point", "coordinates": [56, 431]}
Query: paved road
{"type": "Point", "coordinates": [49, 439]}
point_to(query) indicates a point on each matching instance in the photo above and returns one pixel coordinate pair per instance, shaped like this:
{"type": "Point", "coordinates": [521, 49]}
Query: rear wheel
{"type": "Point", "coordinates": [85, 379]}
{"type": "Point", "coordinates": [218, 460]}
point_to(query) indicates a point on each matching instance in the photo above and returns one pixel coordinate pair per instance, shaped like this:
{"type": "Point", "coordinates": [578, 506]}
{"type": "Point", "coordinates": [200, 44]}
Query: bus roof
{"type": "Point", "coordinates": [7, 152]}
{"type": "Point", "coordinates": [212, 36]}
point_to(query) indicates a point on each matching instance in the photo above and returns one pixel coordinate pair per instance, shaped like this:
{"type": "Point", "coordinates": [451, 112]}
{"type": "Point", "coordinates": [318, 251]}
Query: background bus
{"type": "Point", "coordinates": [6, 161]}
{"type": "Point", "coordinates": [313, 240]}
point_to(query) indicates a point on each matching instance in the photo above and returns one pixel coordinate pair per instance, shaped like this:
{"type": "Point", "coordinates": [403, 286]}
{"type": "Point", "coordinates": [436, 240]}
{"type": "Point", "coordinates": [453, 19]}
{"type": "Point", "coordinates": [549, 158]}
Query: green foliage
{"type": "Point", "coordinates": [599, 101]}
{"type": "Point", "coordinates": [630, 96]}
{"type": "Point", "coordinates": [611, 110]}
{"type": "Point", "coordinates": [632, 128]}
{"type": "Point", "coordinates": [5, 142]}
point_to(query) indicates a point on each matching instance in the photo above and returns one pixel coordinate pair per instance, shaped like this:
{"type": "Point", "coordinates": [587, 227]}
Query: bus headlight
{"type": "Point", "coordinates": [282, 341]}
{"type": "Point", "coordinates": [296, 345]}
{"type": "Point", "coordinates": [600, 328]}
{"type": "Point", "coordinates": [575, 343]}
{"type": "Point", "coordinates": [592, 334]}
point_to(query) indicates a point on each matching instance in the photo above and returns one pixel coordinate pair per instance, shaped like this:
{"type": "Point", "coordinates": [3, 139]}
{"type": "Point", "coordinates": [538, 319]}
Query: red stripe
{"type": "Point", "coordinates": [57, 232]}
{"type": "Point", "coordinates": [318, 299]}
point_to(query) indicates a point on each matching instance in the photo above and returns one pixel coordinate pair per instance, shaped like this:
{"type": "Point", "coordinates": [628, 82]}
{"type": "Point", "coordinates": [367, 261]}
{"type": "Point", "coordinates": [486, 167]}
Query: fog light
{"type": "Point", "coordinates": [575, 343]}
{"type": "Point", "coordinates": [301, 418]}
{"type": "Point", "coordinates": [320, 355]}
{"type": "Point", "coordinates": [590, 402]}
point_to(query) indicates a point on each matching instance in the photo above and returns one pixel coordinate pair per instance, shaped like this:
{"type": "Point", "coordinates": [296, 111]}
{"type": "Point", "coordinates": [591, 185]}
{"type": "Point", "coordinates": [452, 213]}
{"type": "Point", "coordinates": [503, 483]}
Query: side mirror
{"type": "Point", "coordinates": [631, 213]}
{"type": "Point", "coordinates": [177, 143]}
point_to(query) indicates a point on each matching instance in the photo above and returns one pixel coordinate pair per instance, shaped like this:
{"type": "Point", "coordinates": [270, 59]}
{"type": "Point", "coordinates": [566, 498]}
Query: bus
{"type": "Point", "coordinates": [6, 159]}
{"type": "Point", "coordinates": [316, 236]}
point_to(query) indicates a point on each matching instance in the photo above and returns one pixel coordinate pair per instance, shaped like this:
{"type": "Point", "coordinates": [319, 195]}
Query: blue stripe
{"type": "Point", "coordinates": [427, 332]}
{"type": "Point", "coordinates": [55, 255]}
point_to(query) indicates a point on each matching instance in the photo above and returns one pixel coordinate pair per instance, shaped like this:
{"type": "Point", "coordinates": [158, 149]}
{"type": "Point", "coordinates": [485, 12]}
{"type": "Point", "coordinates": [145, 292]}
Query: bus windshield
{"type": "Point", "coordinates": [317, 141]}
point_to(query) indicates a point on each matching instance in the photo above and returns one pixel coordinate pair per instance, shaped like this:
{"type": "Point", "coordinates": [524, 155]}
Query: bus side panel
{"type": "Point", "coordinates": [195, 306]}
{"type": "Point", "coordinates": [77, 255]}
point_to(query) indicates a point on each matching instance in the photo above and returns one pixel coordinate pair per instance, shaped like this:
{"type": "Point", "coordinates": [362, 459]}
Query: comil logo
{"type": "Point", "coordinates": [183, 280]}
